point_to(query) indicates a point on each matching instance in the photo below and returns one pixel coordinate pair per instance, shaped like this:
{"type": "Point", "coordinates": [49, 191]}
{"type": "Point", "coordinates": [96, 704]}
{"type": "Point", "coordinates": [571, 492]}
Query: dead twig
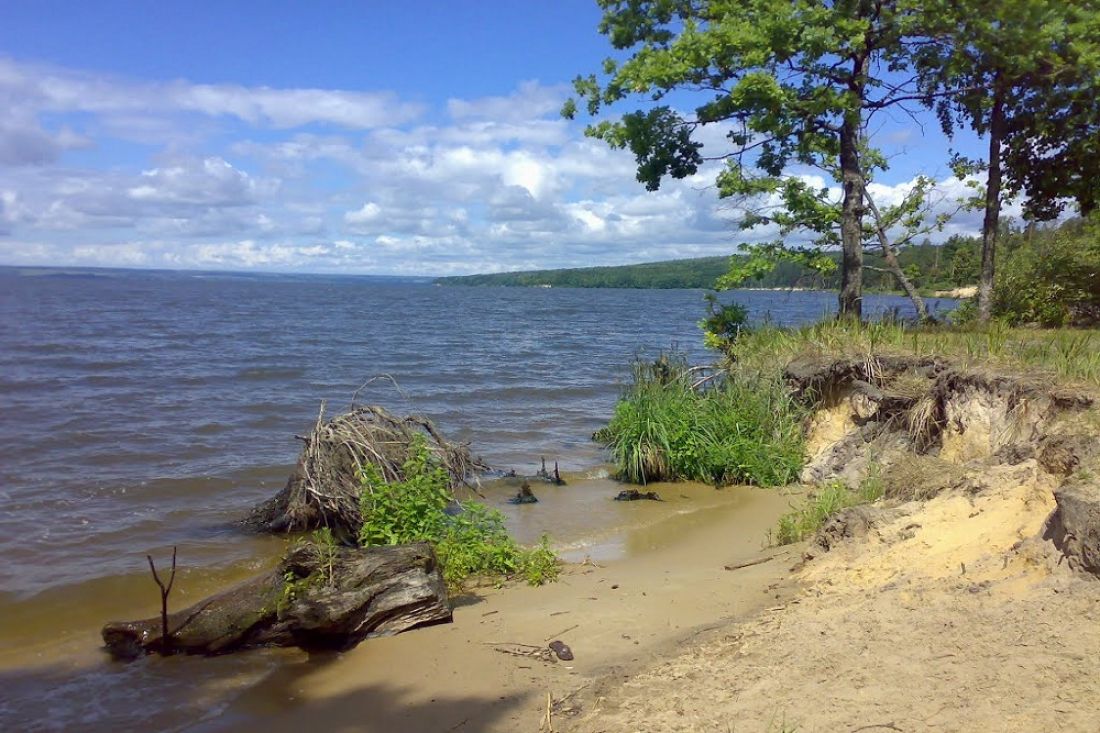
{"type": "Point", "coordinates": [165, 637]}
{"type": "Point", "coordinates": [562, 632]}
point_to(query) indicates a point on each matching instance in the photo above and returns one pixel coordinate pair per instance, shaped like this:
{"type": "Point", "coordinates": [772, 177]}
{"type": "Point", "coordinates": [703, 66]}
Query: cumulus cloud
{"type": "Point", "coordinates": [206, 182]}
{"type": "Point", "coordinates": [229, 176]}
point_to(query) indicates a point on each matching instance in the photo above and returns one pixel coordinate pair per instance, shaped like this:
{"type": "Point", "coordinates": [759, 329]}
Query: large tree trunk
{"type": "Point", "coordinates": [851, 215]}
{"type": "Point", "coordinates": [992, 222]}
{"type": "Point", "coordinates": [311, 600]}
{"type": "Point", "coordinates": [894, 266]}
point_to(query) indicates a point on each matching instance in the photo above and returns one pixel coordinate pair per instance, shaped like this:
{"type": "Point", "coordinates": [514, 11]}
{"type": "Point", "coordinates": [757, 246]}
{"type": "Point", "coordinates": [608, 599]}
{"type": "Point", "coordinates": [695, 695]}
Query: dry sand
{"type": "Point", "coordinates": [946, 618]}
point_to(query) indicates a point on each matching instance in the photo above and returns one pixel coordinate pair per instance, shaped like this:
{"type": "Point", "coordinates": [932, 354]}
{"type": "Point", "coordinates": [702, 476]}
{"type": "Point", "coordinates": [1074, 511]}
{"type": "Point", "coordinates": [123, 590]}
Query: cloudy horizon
{"type": "Point", "coordinates": [114, 169]}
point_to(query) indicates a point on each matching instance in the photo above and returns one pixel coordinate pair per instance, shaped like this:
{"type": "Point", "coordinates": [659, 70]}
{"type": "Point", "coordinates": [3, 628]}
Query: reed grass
{"type": "Point", "coordinates": [734, 430]}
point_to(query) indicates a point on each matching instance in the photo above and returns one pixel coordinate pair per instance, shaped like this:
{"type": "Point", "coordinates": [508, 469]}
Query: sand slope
{"type": "Point", "coordinates": [945, 618]}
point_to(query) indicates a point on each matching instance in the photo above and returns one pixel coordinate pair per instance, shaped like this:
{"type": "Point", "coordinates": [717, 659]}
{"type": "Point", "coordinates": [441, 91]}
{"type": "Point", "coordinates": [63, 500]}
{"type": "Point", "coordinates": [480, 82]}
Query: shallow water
{"type": "Point", "coordinates": [142, 410]}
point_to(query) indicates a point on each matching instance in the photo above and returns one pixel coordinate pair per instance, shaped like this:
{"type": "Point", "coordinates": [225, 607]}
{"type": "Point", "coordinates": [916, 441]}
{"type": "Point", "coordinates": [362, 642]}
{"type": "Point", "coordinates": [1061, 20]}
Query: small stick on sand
{"type": "Point", "coordinates": [562, 632]}
{"type": "Point", "coordinates": [750, 563]}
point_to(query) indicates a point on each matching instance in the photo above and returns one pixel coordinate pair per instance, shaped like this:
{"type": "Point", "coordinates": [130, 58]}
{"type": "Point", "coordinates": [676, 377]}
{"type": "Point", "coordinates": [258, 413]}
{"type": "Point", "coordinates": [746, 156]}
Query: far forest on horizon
{"type": "Point", "coordinates": [955, 263]}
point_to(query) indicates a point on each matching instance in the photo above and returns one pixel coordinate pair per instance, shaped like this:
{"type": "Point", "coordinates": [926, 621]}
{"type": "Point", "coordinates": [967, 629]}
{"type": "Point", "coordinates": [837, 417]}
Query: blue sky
{"type": "Point", "coordinates": [378, 137]}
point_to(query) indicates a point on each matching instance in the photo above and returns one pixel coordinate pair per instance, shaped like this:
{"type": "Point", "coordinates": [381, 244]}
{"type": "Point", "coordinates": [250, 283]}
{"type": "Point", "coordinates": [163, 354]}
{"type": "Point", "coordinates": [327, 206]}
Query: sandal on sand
{"type": "Point", "coordinates": [562, 650]}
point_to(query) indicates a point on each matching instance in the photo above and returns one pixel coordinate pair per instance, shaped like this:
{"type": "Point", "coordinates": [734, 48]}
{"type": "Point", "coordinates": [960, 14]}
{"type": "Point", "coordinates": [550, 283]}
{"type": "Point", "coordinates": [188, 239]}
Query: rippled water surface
{"type": "Point", "coordinates": [145, 409]}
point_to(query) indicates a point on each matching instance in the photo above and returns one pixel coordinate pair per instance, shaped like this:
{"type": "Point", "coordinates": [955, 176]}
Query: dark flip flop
{"type": "Point", "coordinates": [562, 651]}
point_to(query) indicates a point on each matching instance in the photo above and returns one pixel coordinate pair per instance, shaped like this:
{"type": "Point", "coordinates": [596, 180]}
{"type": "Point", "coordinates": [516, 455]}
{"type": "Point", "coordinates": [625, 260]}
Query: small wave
{"type": "Point", "coordinates": [270, 373]}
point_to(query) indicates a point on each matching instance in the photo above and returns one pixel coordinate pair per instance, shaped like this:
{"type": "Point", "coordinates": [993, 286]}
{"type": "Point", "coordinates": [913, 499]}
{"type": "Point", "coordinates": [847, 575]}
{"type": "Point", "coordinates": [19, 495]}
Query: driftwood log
{"type": "Point", "coordinates": [310, 600]}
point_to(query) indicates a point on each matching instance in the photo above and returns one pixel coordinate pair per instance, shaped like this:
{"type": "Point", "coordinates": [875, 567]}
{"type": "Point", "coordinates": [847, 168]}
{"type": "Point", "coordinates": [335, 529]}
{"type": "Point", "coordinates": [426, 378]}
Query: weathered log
{"type": "Point", "coordinates": [311, 600]}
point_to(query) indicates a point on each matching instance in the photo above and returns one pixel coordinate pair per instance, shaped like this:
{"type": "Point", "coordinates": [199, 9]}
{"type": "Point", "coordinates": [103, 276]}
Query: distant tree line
{"type": "Point", "coordinates": [1050, 274]}
{"type": "Point", "coordinates": [933, 267]}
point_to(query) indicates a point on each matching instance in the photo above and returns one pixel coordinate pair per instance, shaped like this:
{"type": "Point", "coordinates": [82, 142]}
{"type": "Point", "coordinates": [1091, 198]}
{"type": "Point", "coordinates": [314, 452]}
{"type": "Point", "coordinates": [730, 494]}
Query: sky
{"type": "Point", "coordinates": [377, 137]}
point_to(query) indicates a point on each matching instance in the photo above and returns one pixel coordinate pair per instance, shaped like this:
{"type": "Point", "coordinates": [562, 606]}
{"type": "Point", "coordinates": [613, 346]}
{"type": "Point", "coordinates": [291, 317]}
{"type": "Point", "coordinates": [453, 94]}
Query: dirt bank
{"type": "Point", "coordinates": [950, 606]}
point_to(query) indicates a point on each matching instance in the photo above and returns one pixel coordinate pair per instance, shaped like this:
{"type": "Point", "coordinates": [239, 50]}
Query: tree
{"type": "Point", "coordinates": [1024, 73]}
{"type": "Point", "coordinates": [793, 82]}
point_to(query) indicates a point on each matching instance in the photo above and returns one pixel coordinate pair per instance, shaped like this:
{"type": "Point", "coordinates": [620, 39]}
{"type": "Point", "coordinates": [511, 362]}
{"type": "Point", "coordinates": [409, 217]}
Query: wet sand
{"type": "Point", "coordinates": [478, 673]}
{"type": "Point", "coordinates": [641, 578]}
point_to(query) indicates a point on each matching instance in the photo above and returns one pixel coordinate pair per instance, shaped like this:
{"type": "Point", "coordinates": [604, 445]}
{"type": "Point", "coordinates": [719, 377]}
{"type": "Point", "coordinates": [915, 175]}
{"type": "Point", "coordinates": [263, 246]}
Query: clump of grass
{"type": "Point", "coordinates": [803, 521]}
{"type": "Point", "coordinates": [667, 426]}
{"type": "Point", "coordinates": [470, 539]}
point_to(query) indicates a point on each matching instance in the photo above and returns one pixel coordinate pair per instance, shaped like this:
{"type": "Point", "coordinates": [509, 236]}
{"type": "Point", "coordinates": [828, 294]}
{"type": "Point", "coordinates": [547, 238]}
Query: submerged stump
{"type": "Point", "coordinates": [332, 599]}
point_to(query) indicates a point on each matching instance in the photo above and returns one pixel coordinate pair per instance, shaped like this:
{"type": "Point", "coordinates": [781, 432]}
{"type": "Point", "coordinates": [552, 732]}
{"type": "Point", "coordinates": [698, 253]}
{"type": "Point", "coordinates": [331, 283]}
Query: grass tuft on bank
{"type": "Point", "coordinates": [803, 521]}
{"type": "Point", "coordinates": [667, 426]}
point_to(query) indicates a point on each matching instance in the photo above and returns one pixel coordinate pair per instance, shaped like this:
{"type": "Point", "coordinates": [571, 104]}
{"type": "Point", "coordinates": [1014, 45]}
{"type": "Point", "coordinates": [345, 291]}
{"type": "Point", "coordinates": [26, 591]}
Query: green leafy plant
{"type": "Point", "coordinates": [470, 538]}
{"type": "Point", "coordinates": [723, 322]}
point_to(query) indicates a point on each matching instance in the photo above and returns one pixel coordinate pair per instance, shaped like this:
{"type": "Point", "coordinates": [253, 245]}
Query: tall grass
{"type": "Point", "coordinates": [1064, 354]}
{"type": "Point", "coordinates": [738, 430]}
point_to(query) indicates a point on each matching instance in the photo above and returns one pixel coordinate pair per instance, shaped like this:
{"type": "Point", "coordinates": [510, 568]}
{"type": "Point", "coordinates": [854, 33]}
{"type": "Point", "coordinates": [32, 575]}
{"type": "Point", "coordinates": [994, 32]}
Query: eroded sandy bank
{"type": "Point", "coordinates": [961, 602]}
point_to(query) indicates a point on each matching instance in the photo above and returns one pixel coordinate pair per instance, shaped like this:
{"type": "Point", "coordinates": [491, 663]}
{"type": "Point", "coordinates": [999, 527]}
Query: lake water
{"type": "Point", "coordinates": [145, 410]}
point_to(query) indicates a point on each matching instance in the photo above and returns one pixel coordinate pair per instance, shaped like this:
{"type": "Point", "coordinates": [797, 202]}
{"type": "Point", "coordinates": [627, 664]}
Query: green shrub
{"type": "Point", "coordinates": [470, 542]}
{"type": "Point", "coordinates": [1051, 277]}
{"type": "Point", "coordinates": [742, 430]}
{"type": "Point", "coordinates": [802, 522]}
{"type": "Point", "coordinates": [723, 323]}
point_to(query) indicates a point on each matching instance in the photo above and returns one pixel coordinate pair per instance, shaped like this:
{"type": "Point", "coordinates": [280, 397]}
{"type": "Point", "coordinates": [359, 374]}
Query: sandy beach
{"type": "Point", "coordinates": [485, 672]}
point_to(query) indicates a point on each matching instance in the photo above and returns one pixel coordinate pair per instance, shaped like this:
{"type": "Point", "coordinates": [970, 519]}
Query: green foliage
{"type": "Point", "coordinates": [1051, 278]}
{"type": "Point", "coordinates": [802, 522]}
{"type": "Point", "coordinates": [404, 511]}
{"type": "Point", "coordinates": [744, 430]}
{"type": "Point", "coordinates": [324, 545]}
{"type": "Point", "coordinates": [699, 272]}
{"type": "Point", "coordinates": [470, 542]}
{"type": "Point", "coordinates": [794, 83]}
{"type": "Point", "coordinates": [1021, 71]}
{"type": "Point", "coordinates": [723, 322]}
{"type": "Point", "coordinates": [941, 267]}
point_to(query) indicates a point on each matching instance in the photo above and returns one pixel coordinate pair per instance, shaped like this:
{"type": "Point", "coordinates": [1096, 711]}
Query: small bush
{"type": "Point", "coordinates": [470, 539]}
{"type": "Point", "coordinates": [723, 323]}
{"type": "Point", "coordinates": [743, 430]}
{"type": "Point", "coordinates": [802, 522]}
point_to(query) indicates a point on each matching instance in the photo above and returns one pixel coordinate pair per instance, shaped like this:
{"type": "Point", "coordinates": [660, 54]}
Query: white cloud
{"type": "Point", "coordinates": [369, 212]}
{"type": "Point", "coordinates": [43, 88]}
{"type": "Point", "coordinates": [207, 182]}
{"type": "Point", "coordinates": [531, 100]}
{"type": "Point", "coordinates": [224, 176]}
